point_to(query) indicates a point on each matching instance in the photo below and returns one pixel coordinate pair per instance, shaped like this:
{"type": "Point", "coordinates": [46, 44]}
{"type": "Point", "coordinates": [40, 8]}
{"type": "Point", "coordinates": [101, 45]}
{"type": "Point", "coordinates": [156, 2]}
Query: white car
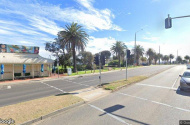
{"type": "Point", "coordinates": [188, 66]}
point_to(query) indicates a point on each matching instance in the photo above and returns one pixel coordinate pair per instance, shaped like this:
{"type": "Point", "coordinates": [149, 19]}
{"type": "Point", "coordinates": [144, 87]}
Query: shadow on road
{"type": "Point", "coordinates": [118, 107]}
{"type": "Point", "coordinates": [184, 93]}
{"type": "Point", "coordinates": [66, 94]}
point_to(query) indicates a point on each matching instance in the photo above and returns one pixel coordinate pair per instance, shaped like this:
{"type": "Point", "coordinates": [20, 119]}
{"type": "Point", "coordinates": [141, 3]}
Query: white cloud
{"type": "Point", "coordinates": [42, 15]}
{"type": "Point", "coordinates": [26, 42]}
{"type": "Point", "coordinates": [151, 38]}
{"type": "Point", "coordinates": [96, 45]}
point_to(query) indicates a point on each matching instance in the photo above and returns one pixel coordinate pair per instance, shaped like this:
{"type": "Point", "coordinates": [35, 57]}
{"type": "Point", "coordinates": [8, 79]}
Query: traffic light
{"type": "Point", "coordinates": [128, 54]}
{"type": "Point", "coordinates": [103, 59]}
{"type": "Point", "coordinates": [96, 59]}
{"type": "Point", "coordinates": [168, 22]}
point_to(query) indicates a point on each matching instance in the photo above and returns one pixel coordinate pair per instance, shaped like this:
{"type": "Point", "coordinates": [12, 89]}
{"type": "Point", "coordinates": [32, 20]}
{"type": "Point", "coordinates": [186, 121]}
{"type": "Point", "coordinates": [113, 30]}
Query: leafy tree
{"type": "Point", "coordinates": [179, 59]}
{"type": "Point", "coordinates": [106, 53]}
{"type": "Point", "coordinates": [64, 60]}
{"type": "Point", "coordinates": [171, 56]}
{"type": "Point", "coordinates": [143, 59]}
{"type": "Point", "coordinates": [139, 52]}
{"type": "Point", "coordinates": [150, 54]}
{"type": "Point", "coordinates": [74, 38]}
{"type": "Point", "coordinates": [86, 58]}
{"type": "Point", "coordinates": [187, 58]}
{"type": "Point", "coordinates": [117, 49]}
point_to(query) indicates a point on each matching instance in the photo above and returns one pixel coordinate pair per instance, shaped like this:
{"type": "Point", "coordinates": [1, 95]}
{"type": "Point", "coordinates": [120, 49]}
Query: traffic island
{"type": "Point", "coordinates": [113, 86]}
{"type": "Point", "coordinates": [38, 109]}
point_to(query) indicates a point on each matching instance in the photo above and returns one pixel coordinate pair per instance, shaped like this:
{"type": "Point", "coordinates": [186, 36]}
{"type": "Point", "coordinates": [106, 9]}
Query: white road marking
{"type": "Point", "coordinates": [54, 87]}
{"type": "Point", "coordinates": [175, 82]}
{"type": "Point", "coordinates": [155, 86]}
{"type": "Point", "coordinates": [113, 116]}
{"type": "Point", "coordinates": [8, 87]}
{"type": "Point", "coordinates": [159, 103]}
{"type": "Point", "coordinates": [77, 83]}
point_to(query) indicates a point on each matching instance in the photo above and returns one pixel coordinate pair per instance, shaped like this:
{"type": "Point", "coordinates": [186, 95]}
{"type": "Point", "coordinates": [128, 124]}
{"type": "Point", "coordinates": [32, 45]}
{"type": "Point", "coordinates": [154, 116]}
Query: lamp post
{"type": "Point", "coordinates": [135, 46]}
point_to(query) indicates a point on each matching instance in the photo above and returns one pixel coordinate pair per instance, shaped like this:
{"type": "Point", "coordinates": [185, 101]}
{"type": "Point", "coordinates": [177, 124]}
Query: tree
{"type": "Point", "coordinates": [64, 60]}
{"type": "Point", "coordinates": [156, 57]}
{"type": "Point", "coordinates": [74, 38]}
{"type": "Point", "coordinates": [166, 58]}
{"type": "Point", "coordinates": [139, 52]}
{"type": "Point", "coordinates": [118, 48]}
{"type": "Point", "coordinates": [106, 53]}
{"type": "Point", "coordinates": [143, 59]}
{"type": "Point", "coordinates": [179, 59]}
{"type": "Point", "coordinates": [187, 58]}
{"type": "Point", "coordinates": [171, 56]}
{"type": "Point", "coordinates": [86, 58]}
{"type": "Point", "coordinates": [150, 54]}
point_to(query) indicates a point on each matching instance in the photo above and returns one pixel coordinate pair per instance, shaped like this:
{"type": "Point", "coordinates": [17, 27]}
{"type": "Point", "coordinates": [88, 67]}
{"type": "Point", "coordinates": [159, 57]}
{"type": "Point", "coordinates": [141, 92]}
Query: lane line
{"type": "Point", "coordinates": [154, 86]}
{"type": "Point", "coordinates": [175, 82]}
{"type": "Point", "coordinates": [159, 103]}
{"type": "Point", "coordinates": [77, 83]}
{"type": "Point", "coordinates": [113, 116]}
{"type": "Point", "coordinates": [53, 87]}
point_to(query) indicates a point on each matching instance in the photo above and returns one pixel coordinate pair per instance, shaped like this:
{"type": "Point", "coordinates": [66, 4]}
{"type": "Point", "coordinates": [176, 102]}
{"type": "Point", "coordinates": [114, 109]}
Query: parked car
{"type": "Point", "coordinates": [185, 81]}
{"type": "Point", "coordinates": [188, 66]}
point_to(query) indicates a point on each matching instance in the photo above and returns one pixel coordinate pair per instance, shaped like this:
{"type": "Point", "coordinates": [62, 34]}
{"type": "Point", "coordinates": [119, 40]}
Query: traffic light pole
{"type": "Point", "coordinates": [100, 82]}
{"type": "Point", "coordinates": [126, 64]}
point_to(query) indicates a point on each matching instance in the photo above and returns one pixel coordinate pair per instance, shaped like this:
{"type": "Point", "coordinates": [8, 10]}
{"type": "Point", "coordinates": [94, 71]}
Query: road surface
{"type": "Point", "coordinates": [154, 101]}
{"type": "Point", "coordinates": [41, 88]}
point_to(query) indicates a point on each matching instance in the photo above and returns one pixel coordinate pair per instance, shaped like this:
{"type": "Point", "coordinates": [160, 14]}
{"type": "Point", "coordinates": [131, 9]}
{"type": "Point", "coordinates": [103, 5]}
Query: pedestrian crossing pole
{"type": "Point", "coordinates": [100, 82]}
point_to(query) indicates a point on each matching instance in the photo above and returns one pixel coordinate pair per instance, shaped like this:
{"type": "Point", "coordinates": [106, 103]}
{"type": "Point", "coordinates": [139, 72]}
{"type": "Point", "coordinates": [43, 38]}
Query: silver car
{"type": "Point", "coordinates": [185, 81]}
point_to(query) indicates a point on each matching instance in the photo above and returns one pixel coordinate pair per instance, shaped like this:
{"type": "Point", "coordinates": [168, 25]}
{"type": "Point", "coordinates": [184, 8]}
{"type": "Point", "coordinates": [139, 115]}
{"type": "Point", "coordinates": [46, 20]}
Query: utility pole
{"type": "Point", "coordinates": [159, 55]}
{"type": "Point", "coordinates": [135, 51]}
{"type": "Point", "coordinates": [100, 82]}
{"type": "Point", "coordinates": [126, 64]}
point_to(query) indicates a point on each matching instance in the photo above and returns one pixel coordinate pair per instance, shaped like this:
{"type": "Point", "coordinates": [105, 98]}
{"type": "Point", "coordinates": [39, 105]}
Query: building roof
{"type": "Point", "coordinates": [23, 58]}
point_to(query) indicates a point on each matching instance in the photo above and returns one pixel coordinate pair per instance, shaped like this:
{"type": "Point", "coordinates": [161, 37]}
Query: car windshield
{"type": "Point", "coordinates": [186, 74]}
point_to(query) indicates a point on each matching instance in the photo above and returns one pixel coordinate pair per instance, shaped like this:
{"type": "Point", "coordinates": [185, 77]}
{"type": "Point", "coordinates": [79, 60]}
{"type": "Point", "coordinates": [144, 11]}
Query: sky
{"type": "Point", "coordinates": [35, 22]}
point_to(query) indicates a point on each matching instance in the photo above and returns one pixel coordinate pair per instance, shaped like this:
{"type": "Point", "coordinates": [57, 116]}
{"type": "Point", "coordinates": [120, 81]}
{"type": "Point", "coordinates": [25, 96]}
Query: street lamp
{"type": "Point", "coordinates": [135, 46]}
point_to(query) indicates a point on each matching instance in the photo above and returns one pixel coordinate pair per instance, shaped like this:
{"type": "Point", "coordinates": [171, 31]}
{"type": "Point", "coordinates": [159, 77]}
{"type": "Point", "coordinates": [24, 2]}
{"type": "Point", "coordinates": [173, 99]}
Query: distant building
{"type": "Point", "coordinates": [22, 61]}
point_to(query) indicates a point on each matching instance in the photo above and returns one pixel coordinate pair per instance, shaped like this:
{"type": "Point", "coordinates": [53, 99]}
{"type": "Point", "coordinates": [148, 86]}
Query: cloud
{"type": "Point", "coordinates": [151, 38]}
{"type": "Point", "coordinates": [96, 45]}
{"type": "Point", "coordinates": [43, 15]}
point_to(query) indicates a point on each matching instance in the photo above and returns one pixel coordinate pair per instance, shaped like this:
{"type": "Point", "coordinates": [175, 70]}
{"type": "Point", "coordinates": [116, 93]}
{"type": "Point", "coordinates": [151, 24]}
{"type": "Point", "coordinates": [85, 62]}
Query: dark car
{"type": "Point", "coordinates": [185, 81]}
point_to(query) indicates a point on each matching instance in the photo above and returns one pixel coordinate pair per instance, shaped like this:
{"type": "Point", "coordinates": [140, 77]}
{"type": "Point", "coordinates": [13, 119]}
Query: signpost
{"type": "Point", "coordinates": [126, 63]}
{"type": "Point", "coordinates": [100, 82]}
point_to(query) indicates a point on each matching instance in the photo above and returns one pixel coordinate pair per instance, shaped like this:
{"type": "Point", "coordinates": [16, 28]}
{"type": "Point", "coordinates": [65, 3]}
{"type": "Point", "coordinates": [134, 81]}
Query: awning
{"type": "Point", "coordinates": [23, 58]}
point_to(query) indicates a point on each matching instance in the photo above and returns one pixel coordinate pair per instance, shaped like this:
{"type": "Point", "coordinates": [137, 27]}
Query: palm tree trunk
{"type": "Point", "coordinates": [74, 57]}
{"type": "Point", "coordinates": [119, 60]}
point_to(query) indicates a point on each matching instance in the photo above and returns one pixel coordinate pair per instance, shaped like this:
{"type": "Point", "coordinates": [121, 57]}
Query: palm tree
{"type": "Point", "coordinates": [150, 54]}
{"type": "Point", "coordinates": [74, 38]}
{"type": "Point", "coordinates": [187, 58]}
{"type": "Point", "coordinates": [171, 56]}
{"type": "Point", "coordinates": [118, 48]}
{"type": "Point", "coordinates": [139, 52]}
{"type": "Point", "coordinates": [179, 59]}
{"type": "Point", "coordinates": [156, 57]}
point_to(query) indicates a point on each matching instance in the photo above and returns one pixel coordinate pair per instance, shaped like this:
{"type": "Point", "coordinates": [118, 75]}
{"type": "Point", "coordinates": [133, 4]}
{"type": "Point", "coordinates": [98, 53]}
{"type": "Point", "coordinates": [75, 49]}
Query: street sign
{"type": "Point", "coordinates": [69, 71]}
{"type": "Point", "coordinates": [128, 54]}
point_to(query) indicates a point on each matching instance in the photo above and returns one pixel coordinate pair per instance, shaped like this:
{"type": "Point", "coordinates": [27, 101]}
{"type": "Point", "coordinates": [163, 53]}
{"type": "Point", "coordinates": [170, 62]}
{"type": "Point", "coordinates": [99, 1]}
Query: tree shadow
{"type": "Point", "coordinates": [184, 93]}
{"type": "Point", "coordinates": [62, 94]}
{"type": "Point", "coordinates": [114, 108]}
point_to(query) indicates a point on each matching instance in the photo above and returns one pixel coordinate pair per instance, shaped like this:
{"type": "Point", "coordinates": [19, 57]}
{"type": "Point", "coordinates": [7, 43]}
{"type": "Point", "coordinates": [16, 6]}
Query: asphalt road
{"type": "Point", "coordinates": [154, 101]}
{"type": "Point", "coordinates": [41, 88]}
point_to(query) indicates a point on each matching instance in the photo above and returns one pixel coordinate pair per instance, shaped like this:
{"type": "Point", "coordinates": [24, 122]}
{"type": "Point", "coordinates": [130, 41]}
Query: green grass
{"type": "Point", "coordinates": [115, 85]}
{"type": "Point", "coordinates": [102, 70]}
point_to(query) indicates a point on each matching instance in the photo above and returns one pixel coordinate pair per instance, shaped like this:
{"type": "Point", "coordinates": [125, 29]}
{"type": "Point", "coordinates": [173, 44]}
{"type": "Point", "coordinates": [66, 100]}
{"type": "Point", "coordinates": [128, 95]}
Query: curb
{"type": "Point", "coordinates": [52, 114]}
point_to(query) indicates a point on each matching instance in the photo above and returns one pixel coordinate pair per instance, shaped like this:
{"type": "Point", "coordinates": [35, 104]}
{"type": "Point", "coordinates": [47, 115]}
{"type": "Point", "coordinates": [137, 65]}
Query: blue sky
{"type": "Point", "coordinates": [34, 22]}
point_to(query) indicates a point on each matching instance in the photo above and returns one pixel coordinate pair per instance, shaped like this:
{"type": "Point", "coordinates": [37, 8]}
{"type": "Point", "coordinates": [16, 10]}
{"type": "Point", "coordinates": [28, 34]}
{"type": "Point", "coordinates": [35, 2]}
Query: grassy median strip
{"type": "Point", "coordinates": [26, 111]}
{"type": "Point", "coordinates": [115, 85]}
